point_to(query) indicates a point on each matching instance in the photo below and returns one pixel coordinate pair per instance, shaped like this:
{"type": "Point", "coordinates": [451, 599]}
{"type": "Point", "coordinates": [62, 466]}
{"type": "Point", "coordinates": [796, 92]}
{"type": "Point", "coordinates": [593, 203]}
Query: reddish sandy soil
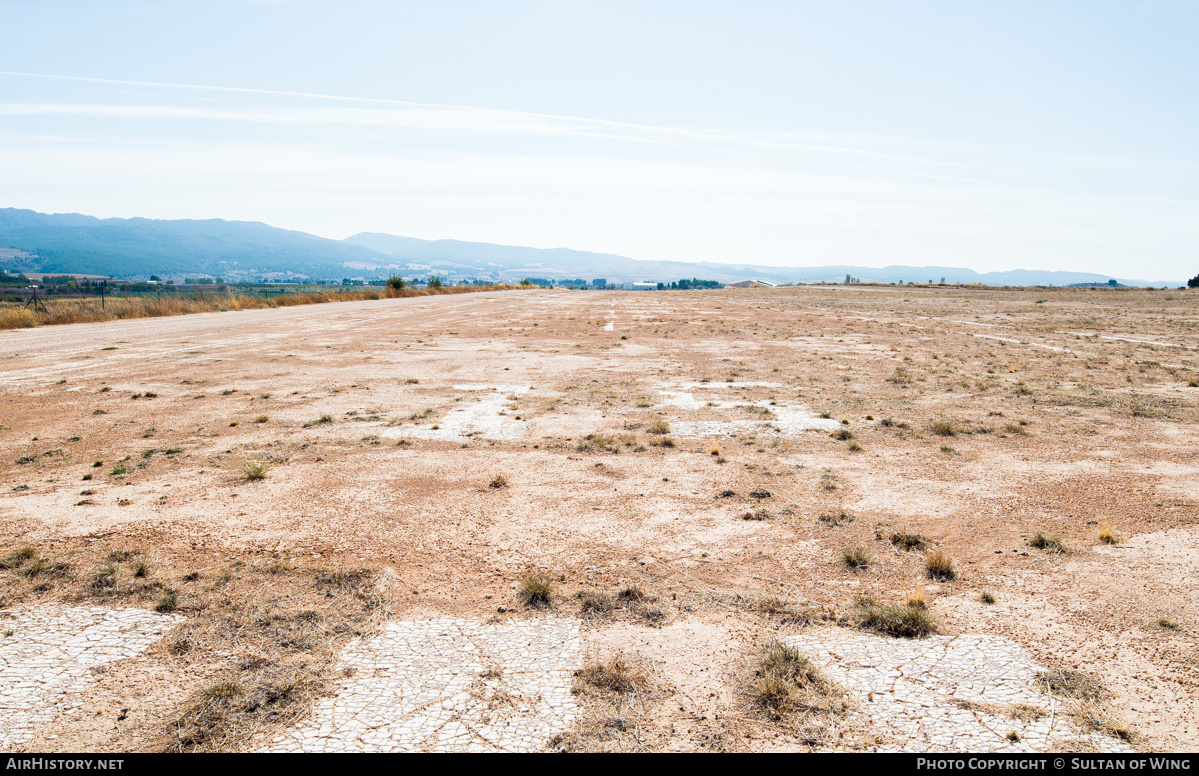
{"type": "Point", "coordinates": [1070, 409]}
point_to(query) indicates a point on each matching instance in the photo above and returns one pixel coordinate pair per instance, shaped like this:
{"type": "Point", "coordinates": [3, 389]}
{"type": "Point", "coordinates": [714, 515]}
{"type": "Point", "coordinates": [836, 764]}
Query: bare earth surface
{"type": "Point", "coordinates": [715, 453]}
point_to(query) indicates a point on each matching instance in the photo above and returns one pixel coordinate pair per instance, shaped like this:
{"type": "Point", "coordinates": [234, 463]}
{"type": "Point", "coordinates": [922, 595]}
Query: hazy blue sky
{"type": "Point", "coordinates": [992, 135]}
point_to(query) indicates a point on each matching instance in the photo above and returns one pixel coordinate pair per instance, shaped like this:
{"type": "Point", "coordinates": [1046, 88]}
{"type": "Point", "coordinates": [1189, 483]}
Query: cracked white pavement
{"type": "Point", "coordinates": [448, 685]}
{"type": "Point", "coordinates": [47, 657]}
{"type": "Point", "coordinates": [963, 693]}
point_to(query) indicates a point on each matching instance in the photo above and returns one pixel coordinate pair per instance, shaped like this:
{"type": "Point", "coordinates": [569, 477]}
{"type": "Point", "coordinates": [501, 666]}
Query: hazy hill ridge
{"type": "Point", "coordinates": [139, 247]}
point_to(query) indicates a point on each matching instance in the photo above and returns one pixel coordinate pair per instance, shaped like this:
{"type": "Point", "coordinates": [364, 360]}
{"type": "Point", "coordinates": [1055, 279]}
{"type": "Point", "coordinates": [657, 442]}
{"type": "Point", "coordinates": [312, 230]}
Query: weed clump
{"type": "Point", "coordinates": [536, 591]}
{"type": "Point", "coordinates": [906, 539]}
{"type": "Point", "coordinates": [18, 557]}
{"type": "Point", "coordinates": [253, 471]}
{"type": "Point", "coordinates": [944, 428]}
{"type": "Point", "coordinates": [939, 566]}
{"type": "Point", "coordinates": [615, 675]}
{"type": "Point", "coordinates": [1108, 535]}
{"type": "Point", "coordinates": [903, 621]}
{"type": "Point", "coordinates": [786, 684]}
{"type": "Point", "coordinates": [1070, 684]}
{"type": "Point", "coordinates": [1051, 544]}
{"type": "Point", "coordinates": [856, 558]}
{"type": "Point", "coordinates": [595, 603]}
{"type": "Point", "coordinates": [168, 602]}
{"type": "Point", "coordinates": [835, 518]}
{"type": "Point", "coordinates": [497, 482]}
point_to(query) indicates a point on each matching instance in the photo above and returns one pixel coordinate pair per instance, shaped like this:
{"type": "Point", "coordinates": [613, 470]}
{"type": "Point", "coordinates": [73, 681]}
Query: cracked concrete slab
{"type": "Point", "coordinates": [48, 656]}
{"type": "Point", "coordinates": [967, 693]}
{"type": "Point", "coordinates": [448, 685]}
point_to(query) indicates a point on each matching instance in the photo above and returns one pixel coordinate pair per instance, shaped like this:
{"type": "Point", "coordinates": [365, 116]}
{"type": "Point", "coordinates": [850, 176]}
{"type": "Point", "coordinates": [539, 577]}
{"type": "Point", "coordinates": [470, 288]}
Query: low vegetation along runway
{"type": "Point", "coordinates": [815, 517]}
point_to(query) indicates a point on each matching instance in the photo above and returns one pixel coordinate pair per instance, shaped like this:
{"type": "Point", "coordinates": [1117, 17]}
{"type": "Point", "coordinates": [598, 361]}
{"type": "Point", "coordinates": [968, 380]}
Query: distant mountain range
{"type": "Point", "coordinates": [242, 250]}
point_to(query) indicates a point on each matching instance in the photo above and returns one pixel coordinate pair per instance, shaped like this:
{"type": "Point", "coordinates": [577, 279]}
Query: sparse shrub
{"type": "Point", "coordinates": [781, 608]}
{"type": "Point", "coordinates": [18, 557]}
{"type": "Point", "coordinates": [141, 568]}
{"type": "Point", "coordinates": [261, 419]}
{"type": "Point", "coordinates": [855, 558]}
{"type": "Point", "coordinates": [595, 603]}
{"type": "Point", "coordinates": [786, 682]}
{"type": "Point", "coordinates": [916, 600]}
{"type": "Point", "coordinates": [615, 675]}
{"type": "Point", "coordinates": [597, 442]}
{"type": "Point", "coordinates": [1051, 544]}
{"type": "Point", "coordinates": [1167, 624]}
{"type": "Point", "coordinates": [761, 514]}
{"type": "Point", "coordinates": [659, 427]}
{"type": "Point", "coordinates": [987, 597]}
{"type": "Point", "coordinates": [662, 442]}
{"type": "Point", "coordinates": [631, 594]}
{"type": "Point", "coordinates": [105, 577]}
{"type": "Point", "coordinates": [907, 539]}
{"type": "Point", "coordinates": [536, 591]}
{"type": "Point", "coordinates": [939, 566]}
{"type": "Point", "coordinates": [854, 447]}
{"type": "Point", "coordinates": [842, 434]}
{"type": "Point", "coordinates": [835, 518]}
{"type": "Point", "coordinates": [1070, 684]}
{"type": "Point", "coordinates": [1108, 535]}
{"type": "Point", "coordinates": [223, 690]}
{"type": "Point", "coordinates": [117, 471]}
{"type": "Point", "coordinates": [497, 482]}
{"type": "Point", "coordinates": [759, 493]}
{"type": "Point", "coordinates": [903, 621]}
{"type": "Point", "coordinates": [253, 471]}
{"type": "Point", "coordinates": [944, 428]}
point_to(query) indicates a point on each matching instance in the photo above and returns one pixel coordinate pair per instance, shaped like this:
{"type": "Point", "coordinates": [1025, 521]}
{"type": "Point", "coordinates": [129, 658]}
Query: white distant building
{"type": "Point", "coordinates": [751, 284]}
{"type": "Point", "coordinates": [641, 285]}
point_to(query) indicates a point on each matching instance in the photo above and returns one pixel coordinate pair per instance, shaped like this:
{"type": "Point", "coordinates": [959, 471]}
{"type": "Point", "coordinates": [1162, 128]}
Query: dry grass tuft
{"type": "Point", "coordinates": [536, 591]}
{"type": "Point", "coordinates": [659, 427]}
{"type": "Point", "coordinates": [916, 599]}
{"type": "Point", "coordinates": [784, 610]}
{"type": "Point", "coordinates": [253, 471]}
{"type": "Point", "coordinates": [1070, 684]}
{"type": "Point", "coordinates": [615, 675]}
{"type": "Point", "coordinates": [1051, 544]}
{"type": "Point", "coordinates": [18, 557]}
{"type": "Point", "coordinates": [497, 482]}
{"type": "Point", "coordinates": [595, 603]}
{"type": "Point", "coordinates": [906, 539]}
{"type": "Point", "coordinates": [904, 621]}
{"type": "Point", "coordinates": [855, 558]}
{"type": "Point", "coordinates": [786, 687]}
{"type": "Point", "coordinates": [939, 566]}
{"type": "Point", "coordinates": [835, 518]}
{"type": "Point", "coordinates": [944, 428]}
{"type": "Point", "coordinates": [1108, 535]}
